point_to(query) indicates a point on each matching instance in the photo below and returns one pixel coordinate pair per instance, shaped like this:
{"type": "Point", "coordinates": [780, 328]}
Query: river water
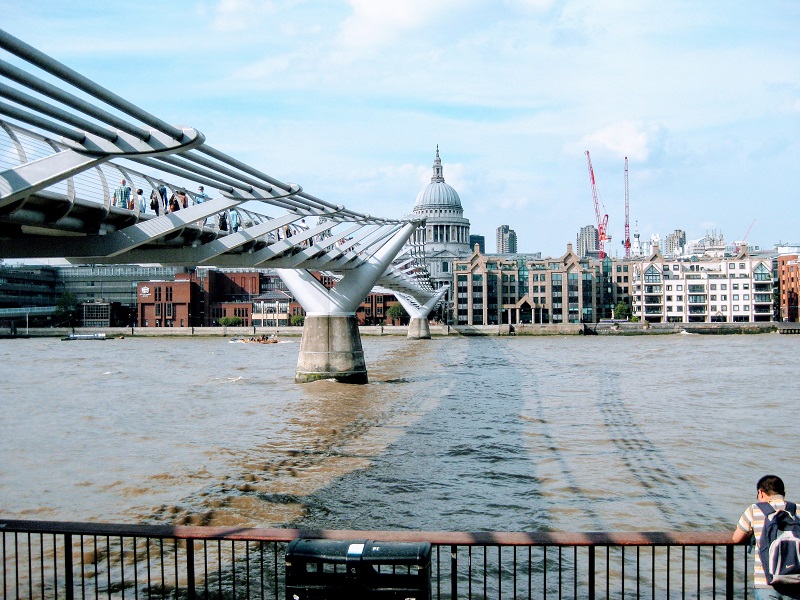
{"type": "Point", "coordinates": [508, 434]}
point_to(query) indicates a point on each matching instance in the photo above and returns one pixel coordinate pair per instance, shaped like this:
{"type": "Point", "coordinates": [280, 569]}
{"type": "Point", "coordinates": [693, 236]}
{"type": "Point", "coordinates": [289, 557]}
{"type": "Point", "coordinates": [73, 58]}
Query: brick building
{"type": "Point", "coordinates": [789, 285]}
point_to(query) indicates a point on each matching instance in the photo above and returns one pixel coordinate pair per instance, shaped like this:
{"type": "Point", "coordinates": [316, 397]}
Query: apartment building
{"type": "Point", "coordinates": [702, 290]}
{"type": "Point", "coordinates": [519, 289]}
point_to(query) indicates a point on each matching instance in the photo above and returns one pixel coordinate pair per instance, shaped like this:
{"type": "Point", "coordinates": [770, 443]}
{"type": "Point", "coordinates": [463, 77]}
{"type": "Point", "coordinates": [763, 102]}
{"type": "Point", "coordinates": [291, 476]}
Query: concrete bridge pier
{"type": "Point", "coordinates": [418, 328]}
{"type": "Point", "coordinates": [331, 343]}
{"type": "Point", "coordinates": [331, 349]}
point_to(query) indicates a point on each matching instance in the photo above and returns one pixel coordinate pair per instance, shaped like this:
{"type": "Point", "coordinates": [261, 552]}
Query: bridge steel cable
{"type": "Point", "coordinates": [60, 154]}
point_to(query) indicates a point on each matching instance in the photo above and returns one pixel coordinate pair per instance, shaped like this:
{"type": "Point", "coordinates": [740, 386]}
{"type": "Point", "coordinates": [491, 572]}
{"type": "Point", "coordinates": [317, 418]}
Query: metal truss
{"type": "Point", "coordinates": [66, 142]}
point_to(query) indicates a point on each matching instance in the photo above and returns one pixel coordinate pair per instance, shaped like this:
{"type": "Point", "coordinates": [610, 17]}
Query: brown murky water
{"type": "Point", "coordinates": [635, 433]}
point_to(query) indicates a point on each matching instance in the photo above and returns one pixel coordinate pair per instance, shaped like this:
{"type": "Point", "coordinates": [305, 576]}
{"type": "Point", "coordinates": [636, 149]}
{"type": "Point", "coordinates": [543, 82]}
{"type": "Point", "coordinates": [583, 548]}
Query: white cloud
{"type": "Point", "coordinates": [239, 15]}
{"type": "Point", "coordinates": [530, 6]}
{"type": "Point", "coordinates": [378, 23]}
{"type": "Point", "coordinates": [626, 138]}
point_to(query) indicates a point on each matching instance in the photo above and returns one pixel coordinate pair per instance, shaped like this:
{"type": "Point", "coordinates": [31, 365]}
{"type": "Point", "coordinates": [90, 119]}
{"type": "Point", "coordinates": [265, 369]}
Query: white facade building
{"type": "Point", "coordinates": [706, 290]}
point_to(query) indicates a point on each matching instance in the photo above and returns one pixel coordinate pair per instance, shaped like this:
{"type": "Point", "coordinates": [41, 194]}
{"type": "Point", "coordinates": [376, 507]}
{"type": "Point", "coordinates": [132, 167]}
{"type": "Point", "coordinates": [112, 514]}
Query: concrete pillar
{"type": "Point", "coordinates": [418, 329]}
{"type": "Point", "coordinates": [331, 349]}
{"type": "Point", "coordinates": [331, 344]}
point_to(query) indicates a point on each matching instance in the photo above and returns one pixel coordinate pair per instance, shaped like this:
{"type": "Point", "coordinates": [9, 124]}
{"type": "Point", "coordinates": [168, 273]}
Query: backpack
{"type": "Point", "coordinates": [779, 546]}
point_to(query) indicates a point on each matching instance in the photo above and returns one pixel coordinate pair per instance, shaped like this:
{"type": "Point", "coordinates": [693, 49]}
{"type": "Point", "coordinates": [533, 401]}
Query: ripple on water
{"type": "Point", "coordinates": [466, 434]}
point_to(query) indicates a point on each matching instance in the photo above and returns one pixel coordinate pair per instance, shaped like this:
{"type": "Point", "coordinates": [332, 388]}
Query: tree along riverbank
{"type": "Point", "coordinates": [436, 330]}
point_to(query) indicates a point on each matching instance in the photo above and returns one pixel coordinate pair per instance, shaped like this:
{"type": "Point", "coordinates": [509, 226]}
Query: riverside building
{"type": "Point", "coordinates": [732, 289]}
{"type": "Point", "coordinates": [522, 289]}
{"type": "Point", "coordinates": [502, 289]}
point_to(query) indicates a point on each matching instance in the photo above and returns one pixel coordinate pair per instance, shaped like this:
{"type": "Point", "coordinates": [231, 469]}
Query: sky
{"type": "Point", "coordinates": [350, 98]}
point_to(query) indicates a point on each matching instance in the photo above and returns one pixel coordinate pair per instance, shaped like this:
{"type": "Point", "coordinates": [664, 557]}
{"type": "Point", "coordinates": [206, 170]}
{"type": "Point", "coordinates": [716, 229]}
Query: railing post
{"type": "Point", "coordinates": [591, 573]}
{"type": "Point", "coordinates": [190, 569]}
{"type": "Point", "coordinates": [453, 572]}
{"type": "Point", "coordinates": [729, 572]}
{"type": "Point", "coordinates": [68, 581]}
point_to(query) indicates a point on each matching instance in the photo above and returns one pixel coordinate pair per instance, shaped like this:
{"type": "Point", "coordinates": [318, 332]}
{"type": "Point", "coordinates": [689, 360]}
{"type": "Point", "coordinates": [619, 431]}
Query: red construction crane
{"type": "Point", "coordinates": [627, 241]}
{"type": "Point", "coordinates": [602, 222]}
{"type": "Point", "coordinates": [738, 247]}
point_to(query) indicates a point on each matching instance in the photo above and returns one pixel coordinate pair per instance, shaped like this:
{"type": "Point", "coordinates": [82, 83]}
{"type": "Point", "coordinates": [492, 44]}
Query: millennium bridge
{"type": "Point", "coordinates": [64, 156]}
{"type": "Point", "coordinates": [66, 143]}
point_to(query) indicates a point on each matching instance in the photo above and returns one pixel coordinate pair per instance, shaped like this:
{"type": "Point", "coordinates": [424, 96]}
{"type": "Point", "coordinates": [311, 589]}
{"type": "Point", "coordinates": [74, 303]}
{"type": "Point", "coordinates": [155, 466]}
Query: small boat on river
{"type": "Point", "coordinates": [263, 339]}
{"type": "Point", "coordinates": [85, 336]}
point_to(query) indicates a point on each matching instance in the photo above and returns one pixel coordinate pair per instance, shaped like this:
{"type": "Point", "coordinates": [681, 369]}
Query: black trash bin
{"type": "Point", "coordinates": [357, 569]}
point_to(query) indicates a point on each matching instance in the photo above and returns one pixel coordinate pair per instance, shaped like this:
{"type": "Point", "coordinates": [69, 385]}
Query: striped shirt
{"type": "Point", "coordinates": [752, 521]}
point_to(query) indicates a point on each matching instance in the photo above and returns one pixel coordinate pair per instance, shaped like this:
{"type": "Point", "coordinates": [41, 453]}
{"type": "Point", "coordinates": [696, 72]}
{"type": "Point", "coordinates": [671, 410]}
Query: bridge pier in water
{"type": "Point", "coordinates": [418, 327]}
{"type": "Point", "coordinates": [331, 349]}
{"type": "Point", "coordinates": [331, 343]}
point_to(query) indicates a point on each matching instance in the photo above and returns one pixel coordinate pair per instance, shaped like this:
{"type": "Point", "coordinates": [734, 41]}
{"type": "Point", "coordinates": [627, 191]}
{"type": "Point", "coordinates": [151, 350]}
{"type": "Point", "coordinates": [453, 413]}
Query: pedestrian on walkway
{"type": "Point", "coordinates": [122, 195]}
{"type": "Point", "coordinates": [769, 489]}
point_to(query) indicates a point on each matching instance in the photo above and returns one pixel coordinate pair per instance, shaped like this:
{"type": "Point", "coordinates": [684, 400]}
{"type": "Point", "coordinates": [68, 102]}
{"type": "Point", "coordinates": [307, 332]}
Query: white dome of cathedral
{"type": "Point", "coordinates": [438, 194]}
{"type": "Point", "coordinates": [445, 235]}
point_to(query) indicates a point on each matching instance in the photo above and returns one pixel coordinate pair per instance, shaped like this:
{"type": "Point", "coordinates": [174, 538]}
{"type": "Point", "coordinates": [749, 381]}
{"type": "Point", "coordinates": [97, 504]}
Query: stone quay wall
{"type": "Point", "coordinates": [436, 330]}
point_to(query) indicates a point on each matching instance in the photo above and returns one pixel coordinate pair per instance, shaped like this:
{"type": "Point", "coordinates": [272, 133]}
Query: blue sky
{"type": "Point", "coordinates": [350, 99]}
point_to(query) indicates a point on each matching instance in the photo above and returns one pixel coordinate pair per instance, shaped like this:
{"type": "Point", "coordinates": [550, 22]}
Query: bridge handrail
{"type": "Point", "coordinates": [460, 538]}
{"type": "Point", "coordinates": [196, 560]}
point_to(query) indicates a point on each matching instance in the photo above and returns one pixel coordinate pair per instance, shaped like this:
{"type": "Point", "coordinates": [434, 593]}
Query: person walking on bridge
{"type": "Point", "coordinates": [122, 195]}
{"type": "Point", "coordinates": [769, 489]}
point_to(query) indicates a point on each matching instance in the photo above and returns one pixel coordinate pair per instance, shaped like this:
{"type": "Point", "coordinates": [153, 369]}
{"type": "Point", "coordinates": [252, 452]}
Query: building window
{"type": "Point", "coordinates": [652, 275]}
{"type": "Point", "coordinates": [761, 273]}
{"type": "Point", "coordinates": [168, 293]}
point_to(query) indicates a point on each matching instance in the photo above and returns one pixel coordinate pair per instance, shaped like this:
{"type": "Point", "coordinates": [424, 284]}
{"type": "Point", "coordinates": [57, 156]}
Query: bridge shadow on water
{"type": "Point", "coordinates": [515, 440]}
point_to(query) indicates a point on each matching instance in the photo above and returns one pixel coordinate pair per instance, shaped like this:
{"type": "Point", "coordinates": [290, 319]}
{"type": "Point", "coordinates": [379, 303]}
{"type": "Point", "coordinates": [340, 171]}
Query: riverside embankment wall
{"type": "Point", "coordinates": [436, 330]}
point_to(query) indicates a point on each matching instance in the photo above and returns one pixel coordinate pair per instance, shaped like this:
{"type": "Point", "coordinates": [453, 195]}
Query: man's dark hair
{"type": "Point", "coordinates": [771, 485]}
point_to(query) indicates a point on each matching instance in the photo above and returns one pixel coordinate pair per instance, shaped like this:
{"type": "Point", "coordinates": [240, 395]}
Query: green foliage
{"type": "Point", "coordinates": [297, 320]}
{"type": "Point", "coordinates": [622, 311]}
{"type": "Point", "coordinates": [67, 304]}
{"type": "Point", "coordinates": [396, 311]}
{"type": "Point", "coordinates": [231, 321]}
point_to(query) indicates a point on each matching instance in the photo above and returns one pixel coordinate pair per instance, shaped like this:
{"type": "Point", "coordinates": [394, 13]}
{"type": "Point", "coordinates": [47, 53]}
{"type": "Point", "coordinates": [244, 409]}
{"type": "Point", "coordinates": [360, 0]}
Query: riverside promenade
{"type": "Point", "coordinates": [568, 329]}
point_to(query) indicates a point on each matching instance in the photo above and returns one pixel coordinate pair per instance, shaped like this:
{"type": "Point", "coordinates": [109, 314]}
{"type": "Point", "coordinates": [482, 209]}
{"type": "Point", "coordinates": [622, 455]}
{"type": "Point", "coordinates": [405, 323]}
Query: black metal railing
{"type": "Point", "coordinates": [89, 560]}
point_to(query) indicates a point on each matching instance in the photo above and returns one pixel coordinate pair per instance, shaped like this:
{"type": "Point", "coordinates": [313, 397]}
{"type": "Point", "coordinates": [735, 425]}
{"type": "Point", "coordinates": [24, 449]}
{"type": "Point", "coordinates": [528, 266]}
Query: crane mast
{"type": "Point", "coordinates": [627, 241]}
{"type": "Point", "coordinates": [602, 222]}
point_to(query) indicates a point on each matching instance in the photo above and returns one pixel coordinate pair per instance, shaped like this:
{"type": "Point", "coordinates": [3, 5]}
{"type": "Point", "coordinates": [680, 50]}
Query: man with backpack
{"type": "Point", "coordinates": [773, 523]}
